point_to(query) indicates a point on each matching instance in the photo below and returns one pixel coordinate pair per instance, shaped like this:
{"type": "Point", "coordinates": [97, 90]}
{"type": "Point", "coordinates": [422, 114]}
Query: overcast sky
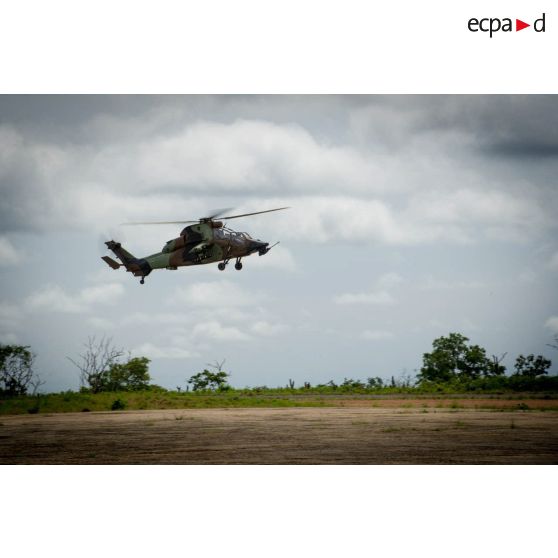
{"type": "Point", "coordinates": [412, 217]}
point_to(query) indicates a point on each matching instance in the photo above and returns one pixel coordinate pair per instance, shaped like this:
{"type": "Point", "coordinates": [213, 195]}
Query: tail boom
{"type": "Point", "coordinates": [139, 267]}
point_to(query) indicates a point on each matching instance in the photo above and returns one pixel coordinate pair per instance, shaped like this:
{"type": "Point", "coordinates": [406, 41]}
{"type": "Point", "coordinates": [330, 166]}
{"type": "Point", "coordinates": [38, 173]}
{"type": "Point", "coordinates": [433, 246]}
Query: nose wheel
{"type": "Point", "coordinates": [222, 266]}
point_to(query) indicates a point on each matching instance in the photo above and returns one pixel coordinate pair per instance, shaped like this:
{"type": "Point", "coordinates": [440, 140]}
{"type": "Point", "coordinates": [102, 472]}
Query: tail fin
{"type": "Point", "coordinates": [138, 267]}
{"type": "Point", "coordinates": [122, 254]}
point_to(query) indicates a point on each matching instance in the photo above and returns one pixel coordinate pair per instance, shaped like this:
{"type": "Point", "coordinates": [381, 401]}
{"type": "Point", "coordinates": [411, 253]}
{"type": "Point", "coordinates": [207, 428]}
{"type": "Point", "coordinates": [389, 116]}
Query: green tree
{"type": "Point", "coordinates": [495, 366]}
{"type": "Point", "coordinates": [452, 359]}
{"type": "Point", "coordinates": [96, 362]}
{"type": "Point", "coordinates": [349, 383]}
{"type": "Point", "coordinates": [374, 383]}
{"type": "Point", "coordinates": [210, 380]}
{"type": "Point", "coordinates": [101, 368]}
{"type": "Point", "coordinates": [129, 376]}
{"type": "Point", "coordinates": [475, 363]}
{"type": "Point", "coordinates": [16, 370]}
{"type": "Point", "coordinates": [531, 366]}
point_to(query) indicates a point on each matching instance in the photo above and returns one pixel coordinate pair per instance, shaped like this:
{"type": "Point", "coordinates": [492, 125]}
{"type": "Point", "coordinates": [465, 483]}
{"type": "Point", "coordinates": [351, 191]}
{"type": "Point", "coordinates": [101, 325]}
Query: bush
{"type": "Point", "coordinates": [117, 405]}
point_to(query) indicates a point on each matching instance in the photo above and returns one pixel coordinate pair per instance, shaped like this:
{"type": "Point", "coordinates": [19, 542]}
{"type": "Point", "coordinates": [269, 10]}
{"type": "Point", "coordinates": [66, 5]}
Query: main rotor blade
{"type": "Point", "coordinates": [216, 213]}
{"type": "Point", "coordinates": [255, 213]}
{"type": "Point", "coordinates": [161, 223]}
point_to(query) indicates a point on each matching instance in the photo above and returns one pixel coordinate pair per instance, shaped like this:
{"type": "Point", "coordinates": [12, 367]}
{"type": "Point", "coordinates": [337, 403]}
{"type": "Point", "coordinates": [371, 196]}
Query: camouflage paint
{"type": "Point", "coordinates": [203, 243]}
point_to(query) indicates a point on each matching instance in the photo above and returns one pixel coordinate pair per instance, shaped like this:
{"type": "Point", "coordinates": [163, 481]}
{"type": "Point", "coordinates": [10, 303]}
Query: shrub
{"type": "Point", "coordinates": [117, 405]}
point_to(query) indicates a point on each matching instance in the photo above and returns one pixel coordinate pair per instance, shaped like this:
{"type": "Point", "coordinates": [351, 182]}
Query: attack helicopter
{"type": "Point", "coordinates": [207, 241]}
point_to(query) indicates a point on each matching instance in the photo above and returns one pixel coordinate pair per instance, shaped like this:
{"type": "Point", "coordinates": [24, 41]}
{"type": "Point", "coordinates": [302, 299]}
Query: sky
{"type": "Point", "coordinates": [410, 217]}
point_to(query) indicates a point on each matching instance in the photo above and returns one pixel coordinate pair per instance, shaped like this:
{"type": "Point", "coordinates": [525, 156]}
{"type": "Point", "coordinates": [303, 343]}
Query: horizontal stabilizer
{"type": "Point", "coordinates": [111, 262]}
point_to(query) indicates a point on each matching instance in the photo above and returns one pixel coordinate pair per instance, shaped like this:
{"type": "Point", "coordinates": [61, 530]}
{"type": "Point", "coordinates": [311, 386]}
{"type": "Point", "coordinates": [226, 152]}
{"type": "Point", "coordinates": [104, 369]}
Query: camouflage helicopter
{"type": "Point", "coordinates": [205, 242]}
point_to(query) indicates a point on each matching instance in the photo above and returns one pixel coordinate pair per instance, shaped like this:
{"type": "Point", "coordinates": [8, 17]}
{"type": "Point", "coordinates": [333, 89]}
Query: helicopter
{"type": "Point", "coordinates": [207, 241]}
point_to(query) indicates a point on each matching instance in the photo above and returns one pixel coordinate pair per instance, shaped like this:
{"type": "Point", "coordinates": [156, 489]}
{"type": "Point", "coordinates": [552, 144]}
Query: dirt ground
{"type": "Point", "coordinates": [350, 435]}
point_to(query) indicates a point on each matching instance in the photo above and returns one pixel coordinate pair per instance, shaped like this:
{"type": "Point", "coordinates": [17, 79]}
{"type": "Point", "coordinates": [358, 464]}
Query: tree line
{"type": "Point", "coordinates": [453, 364]}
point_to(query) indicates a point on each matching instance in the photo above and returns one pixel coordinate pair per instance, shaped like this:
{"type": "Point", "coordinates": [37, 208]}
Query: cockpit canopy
{"type": "Point", "coordinates": [224, 234]}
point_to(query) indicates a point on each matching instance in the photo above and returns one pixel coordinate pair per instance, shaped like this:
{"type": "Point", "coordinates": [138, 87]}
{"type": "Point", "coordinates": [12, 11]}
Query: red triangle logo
{"type": "Point", "coordinates": [519, 25]}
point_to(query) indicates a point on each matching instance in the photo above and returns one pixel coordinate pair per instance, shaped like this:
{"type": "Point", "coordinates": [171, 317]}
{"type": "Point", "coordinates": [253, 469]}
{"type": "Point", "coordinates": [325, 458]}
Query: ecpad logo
{"type": "Point", "coordinates": [493, 25]}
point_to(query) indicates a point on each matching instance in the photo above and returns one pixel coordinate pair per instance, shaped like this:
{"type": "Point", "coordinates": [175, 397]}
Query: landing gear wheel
{"type": "Point", "coordinates": [222, 266]}
{"type": "Point", "coordinates": [142, 281]}
{"type": "Point", "coordinates": [238, 266]}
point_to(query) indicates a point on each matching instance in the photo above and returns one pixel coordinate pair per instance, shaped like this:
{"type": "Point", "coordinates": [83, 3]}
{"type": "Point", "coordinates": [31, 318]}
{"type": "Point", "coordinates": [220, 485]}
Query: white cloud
{"type": "Point", "coordinates": [390, 279]}
{"type": "Point", "coordinates": [379, 297]}
{"type": "Point", "coordinates": [552, 324]}
{"type": "Point", "coordinates": [107, 275]}
{"type": "Point", "coordinates": [11, 320]}
{"type": "Point", "coordinates": [527, 276]}
{"type": "Point", "coordinates": [376, 334]}
{"type": "Point", "coordinates": [160, 175]}
{"type": "Point", "coordinates": [100, 323]}
{"type": "Point", "coordinates": [214, 330]}
{"type": "Point", "coordinates": [267, 329]}
{"type": "Point", "coordinates": [102, 294]}
{"type": "Point", "coordinates": [444, 217]}
{"type": "Point", "coordinates": [220, 294]}
{"type": "Point", "coordinates": [156, 318]}
{"type": "Point", "coordinates": [246, 154]}
{"type": "Point", "coordinates": [278, 258]}
{"type": "Point", "coordinates": [431, 283]}
{"type": "Point", "coordinates": [153, 351]}
{"type": "Point", "coordinates": [9, 338]}
{"type": "Point", "coordinates": [54, 299]}
{"type": "Point", "coordinates": [9, 255]}
{"type": "Point", "coordinates": [11, 315]}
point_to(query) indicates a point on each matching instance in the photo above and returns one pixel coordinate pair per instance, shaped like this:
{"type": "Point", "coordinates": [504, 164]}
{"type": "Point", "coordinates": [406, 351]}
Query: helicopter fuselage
{"type": "Point", "coordinates": [205, 242]}
{"type": "Point", "coordinates": [198, 244]}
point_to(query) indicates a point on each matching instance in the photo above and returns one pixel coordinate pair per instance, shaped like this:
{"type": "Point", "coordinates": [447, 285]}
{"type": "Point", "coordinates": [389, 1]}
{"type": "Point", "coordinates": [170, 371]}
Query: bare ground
{"type": "Point", "coordinates": [347, 435]}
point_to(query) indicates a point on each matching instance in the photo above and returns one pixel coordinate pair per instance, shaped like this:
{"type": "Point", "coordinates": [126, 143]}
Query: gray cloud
{"type": "Point", "coordinates": [420, 165]}
{"type": "Point", "coordinates": [411, 216]}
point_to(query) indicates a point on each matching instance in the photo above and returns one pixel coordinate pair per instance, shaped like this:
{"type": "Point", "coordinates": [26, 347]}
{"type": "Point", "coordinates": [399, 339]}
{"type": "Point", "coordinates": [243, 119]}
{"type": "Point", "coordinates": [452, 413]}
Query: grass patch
{"type": "Point", "coordinates": [161, 399]}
